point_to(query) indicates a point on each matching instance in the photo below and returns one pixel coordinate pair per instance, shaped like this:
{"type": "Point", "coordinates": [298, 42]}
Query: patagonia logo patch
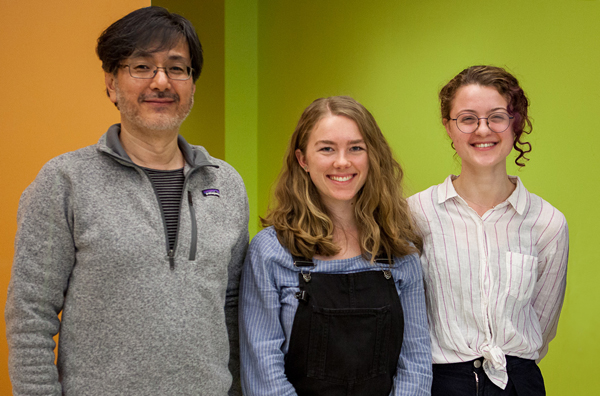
{"type": "Point", "coordinates": [211, 192]}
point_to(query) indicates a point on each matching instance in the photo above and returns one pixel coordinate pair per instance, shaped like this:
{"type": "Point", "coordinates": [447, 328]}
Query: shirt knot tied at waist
{"type": "Point", "coordinates": [494, 365]}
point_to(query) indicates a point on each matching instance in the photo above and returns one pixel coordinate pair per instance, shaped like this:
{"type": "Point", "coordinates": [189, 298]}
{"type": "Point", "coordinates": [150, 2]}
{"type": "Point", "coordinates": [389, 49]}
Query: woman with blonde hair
{"type": "Point", "coordinates": [495, 255]}
{"type": "Point", "coordinates": [332, 299]}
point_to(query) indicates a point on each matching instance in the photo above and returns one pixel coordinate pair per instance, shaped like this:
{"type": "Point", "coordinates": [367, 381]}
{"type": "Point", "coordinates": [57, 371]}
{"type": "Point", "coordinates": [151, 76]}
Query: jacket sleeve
{"type": "Point", "coordinates": [44, 258]}
{"type": "Point", "coordinates": [413, 374]}
{"type": "Point", "coordinates": [238, 253]}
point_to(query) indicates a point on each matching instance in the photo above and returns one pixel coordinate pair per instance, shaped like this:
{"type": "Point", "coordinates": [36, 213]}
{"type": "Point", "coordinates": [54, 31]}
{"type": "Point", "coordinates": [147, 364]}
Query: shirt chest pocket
{"type": "Point", "coordinates": [521, 271]}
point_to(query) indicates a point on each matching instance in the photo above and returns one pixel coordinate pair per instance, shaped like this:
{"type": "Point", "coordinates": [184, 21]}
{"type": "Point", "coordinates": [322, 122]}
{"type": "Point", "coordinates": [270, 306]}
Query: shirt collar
{"type": "Point", "coordinates": [446, 190]}
{"type": "Point", "coordinates": [194, 157]}
{"type": "Point", "coordinates": [518, 198]}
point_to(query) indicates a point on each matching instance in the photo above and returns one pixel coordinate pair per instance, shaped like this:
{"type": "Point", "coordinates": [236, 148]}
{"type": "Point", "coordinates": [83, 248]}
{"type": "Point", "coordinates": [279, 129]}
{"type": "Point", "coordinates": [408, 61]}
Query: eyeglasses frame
{"type": "Point", "coordinates": [510, 118]}
{"type": "Point", "coordinates": [190, 73]}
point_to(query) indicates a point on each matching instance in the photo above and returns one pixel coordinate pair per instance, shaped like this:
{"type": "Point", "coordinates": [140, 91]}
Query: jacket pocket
{"type": "Point", "coordinates": [349, 344]}
{"type": "Point", "coordinates": [522, 275]}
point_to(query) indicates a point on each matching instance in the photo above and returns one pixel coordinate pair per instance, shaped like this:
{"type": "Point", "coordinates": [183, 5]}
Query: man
{"type": "Point", "coordinates": [138, 240]}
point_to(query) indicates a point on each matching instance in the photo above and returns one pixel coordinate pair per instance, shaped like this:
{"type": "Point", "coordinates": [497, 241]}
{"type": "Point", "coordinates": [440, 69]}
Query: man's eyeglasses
{"type": "Point", "coordinates": [146, 70]}
{"type": "Point", "coordinates": [497, 122]}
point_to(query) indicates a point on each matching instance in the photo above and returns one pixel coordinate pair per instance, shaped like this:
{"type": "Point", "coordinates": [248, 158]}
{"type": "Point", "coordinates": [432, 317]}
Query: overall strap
{"type": "Point", "coordinates": [302, 263]}
{"type": "Point", "coordinates": [382, 259]}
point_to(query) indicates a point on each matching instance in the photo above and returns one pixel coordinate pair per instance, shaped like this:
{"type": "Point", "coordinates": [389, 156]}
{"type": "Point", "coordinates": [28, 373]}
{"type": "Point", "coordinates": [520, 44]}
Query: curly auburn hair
{"type": "Point", "coordinates": [507, 85]}
{"type": "Point", "coordinates": [302, 221]}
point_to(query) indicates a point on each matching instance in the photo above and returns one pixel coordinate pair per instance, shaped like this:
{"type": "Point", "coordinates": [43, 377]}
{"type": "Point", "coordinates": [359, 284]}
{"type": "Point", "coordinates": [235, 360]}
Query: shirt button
{"type": "Point", "coordinates": [477, 363]}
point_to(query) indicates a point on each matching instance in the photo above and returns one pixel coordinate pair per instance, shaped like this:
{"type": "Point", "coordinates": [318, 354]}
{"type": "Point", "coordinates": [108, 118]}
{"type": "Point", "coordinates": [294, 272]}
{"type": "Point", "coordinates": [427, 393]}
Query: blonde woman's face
{"type": "Point", "coordinates": [336, 159]}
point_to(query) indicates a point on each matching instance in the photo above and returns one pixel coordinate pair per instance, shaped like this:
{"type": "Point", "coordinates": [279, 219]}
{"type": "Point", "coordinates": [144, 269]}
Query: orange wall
{"type": "Point", "coordinates": [59, 105]}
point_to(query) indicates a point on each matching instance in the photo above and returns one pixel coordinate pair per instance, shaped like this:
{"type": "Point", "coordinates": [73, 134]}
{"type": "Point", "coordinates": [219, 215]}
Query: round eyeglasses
{"type": "Point", "coordinates": [496, 122]}
{"type": "Point", "coordinates": [146, 70]}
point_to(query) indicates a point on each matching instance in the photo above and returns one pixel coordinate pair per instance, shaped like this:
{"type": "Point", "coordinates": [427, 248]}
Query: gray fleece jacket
{"type": "Point", "coordinates": [136, 318]}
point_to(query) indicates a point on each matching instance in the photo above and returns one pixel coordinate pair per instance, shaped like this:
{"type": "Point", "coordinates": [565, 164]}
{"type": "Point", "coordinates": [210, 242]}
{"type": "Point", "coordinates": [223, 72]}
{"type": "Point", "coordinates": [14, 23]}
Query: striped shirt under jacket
{"type": "Point", "coordinates": [494, 284]}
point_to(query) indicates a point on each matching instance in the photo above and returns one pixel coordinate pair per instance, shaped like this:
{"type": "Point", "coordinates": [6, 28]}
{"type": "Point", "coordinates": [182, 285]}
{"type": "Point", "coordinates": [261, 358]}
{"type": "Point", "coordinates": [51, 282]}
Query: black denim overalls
{"type": "Point", "coordinates": [347, 333]}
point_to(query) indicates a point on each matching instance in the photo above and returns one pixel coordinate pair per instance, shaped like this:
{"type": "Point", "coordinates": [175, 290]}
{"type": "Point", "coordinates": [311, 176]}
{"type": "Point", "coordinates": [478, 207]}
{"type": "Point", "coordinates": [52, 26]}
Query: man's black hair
{"type": "Point", "coordinates": [150, 29]}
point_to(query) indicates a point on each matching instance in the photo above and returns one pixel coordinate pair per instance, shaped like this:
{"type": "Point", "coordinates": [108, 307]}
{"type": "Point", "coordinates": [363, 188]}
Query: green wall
{"type": "Point", "coordinates": [241, 94]}
{"type": "Point", "coordinates": [394, 57]}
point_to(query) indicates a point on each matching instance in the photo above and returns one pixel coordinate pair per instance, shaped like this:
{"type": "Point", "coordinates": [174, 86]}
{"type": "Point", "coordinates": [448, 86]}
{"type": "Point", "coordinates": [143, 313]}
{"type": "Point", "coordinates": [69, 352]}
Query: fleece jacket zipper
{"type": "Point", "coordinates": [194, 227]}
{"type": "Point", "coordinates": [171, 252]}
{"type": "Point", "coordinates": [194, 231]}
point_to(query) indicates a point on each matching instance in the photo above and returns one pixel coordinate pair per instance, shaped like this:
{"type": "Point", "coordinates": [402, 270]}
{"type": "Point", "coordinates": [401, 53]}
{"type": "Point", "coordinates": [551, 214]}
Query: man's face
{"type": "Point", "coordinates": [155, 104]}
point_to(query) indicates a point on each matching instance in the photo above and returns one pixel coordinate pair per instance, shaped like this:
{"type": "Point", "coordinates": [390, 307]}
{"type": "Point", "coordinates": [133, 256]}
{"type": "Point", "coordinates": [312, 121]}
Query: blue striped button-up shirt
{"type": "Point", "coordinates": [268, 306]}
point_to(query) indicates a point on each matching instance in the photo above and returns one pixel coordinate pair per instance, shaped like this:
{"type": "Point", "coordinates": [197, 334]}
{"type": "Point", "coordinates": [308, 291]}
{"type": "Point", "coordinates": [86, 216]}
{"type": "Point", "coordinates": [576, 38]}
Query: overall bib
{"type": "Point", "coordinates": [347, 333]}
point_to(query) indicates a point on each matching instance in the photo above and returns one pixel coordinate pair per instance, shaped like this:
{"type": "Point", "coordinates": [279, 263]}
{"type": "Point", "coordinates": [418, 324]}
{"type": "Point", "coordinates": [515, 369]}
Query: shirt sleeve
{"type": "Point", "coordinates": [549, 292]}
{"type": "Point", "coordinates": [43, 261]}
{"type": "Point", "coordinates": [413, 376]}
{"type": "Point", "coordinates": [231, 301]}
{"type": "Point", "coordinates": [261, 331]}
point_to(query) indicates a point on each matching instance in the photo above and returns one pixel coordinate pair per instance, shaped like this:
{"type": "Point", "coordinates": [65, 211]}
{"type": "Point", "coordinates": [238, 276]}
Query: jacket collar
{"type": "Point", "coordinates": [110, 143]}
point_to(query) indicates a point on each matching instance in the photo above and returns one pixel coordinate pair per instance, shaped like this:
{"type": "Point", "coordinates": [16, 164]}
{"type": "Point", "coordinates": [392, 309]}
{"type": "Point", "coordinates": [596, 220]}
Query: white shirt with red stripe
{"type": "Point", "coordinates": [494, 284]}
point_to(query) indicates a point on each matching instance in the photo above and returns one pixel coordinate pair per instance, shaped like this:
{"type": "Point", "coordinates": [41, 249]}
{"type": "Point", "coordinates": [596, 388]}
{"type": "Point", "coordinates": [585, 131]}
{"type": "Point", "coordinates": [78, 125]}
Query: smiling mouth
{"type": "Point", "coordinates": [340, 178]}
{"type": "Point", "coordinates": [160, 98]}
{"type": "Point", "coordinates": [483, 145]}
{"type": "Point", "coordinates": [159, 101]}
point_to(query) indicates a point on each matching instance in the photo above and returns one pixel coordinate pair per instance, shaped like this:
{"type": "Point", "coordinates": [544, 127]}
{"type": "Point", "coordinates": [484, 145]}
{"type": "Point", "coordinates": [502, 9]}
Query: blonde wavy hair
{"type": "Point", "coordinates": [302, 221]}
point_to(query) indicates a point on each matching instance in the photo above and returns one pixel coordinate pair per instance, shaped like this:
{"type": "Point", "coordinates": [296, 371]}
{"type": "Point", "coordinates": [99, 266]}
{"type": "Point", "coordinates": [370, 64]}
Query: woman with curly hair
{"type": "Point", "coordinates": [332, 299]}
{"type": "Point", "coordinates": [495, 255]}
